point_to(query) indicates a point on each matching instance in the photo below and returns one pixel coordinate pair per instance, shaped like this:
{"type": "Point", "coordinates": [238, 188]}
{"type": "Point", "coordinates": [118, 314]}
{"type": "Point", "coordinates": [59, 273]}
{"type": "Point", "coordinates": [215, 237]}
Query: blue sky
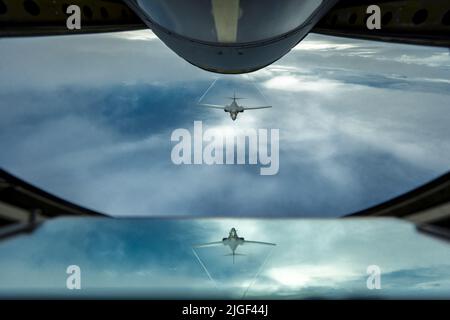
{"type": "Point", "coordinates": [89, 119]}
{"type": "Point", "coordinates": [153, 258]}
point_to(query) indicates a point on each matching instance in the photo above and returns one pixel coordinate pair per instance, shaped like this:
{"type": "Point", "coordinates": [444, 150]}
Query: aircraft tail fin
{"type": "Point", "coordinates": [234, 97]}
{"type": "Point", "coordinates": [234, 254]}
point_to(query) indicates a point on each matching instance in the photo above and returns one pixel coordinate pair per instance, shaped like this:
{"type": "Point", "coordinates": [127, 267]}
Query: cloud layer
{"type": "Point", "coordinates": [90, 120]}
{"type": "Point", "coordinates": [154, 258]}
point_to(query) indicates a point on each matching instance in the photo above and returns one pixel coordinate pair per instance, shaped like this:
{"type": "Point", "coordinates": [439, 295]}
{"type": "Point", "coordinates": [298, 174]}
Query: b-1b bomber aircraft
{"type": "Point", "coordinates": [234, 108]}
{"type": "Point", "coordinates": [233, 241]}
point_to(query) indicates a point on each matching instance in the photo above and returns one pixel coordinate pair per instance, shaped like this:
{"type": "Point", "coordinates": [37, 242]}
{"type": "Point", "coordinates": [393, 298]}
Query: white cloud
{"type": "Point", "coordinates": [319, 45]}
{"type": "Point", "coordinates": [347, 126]}
{"type": "Point", "coordinates": [301, 276]}
{"type": "Point", "coordinates": [435, 60]}
{"type": "Point", "coordinates": [299, 83]}
{"type": "Point", "coordinates": [139, 35]}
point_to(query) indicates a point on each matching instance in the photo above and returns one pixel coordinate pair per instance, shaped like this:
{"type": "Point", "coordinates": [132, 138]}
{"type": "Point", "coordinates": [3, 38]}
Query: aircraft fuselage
{"type": "Point", "coordinates": [233, 109]}
{"type": "Point", "coordinates": [233, 240]}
